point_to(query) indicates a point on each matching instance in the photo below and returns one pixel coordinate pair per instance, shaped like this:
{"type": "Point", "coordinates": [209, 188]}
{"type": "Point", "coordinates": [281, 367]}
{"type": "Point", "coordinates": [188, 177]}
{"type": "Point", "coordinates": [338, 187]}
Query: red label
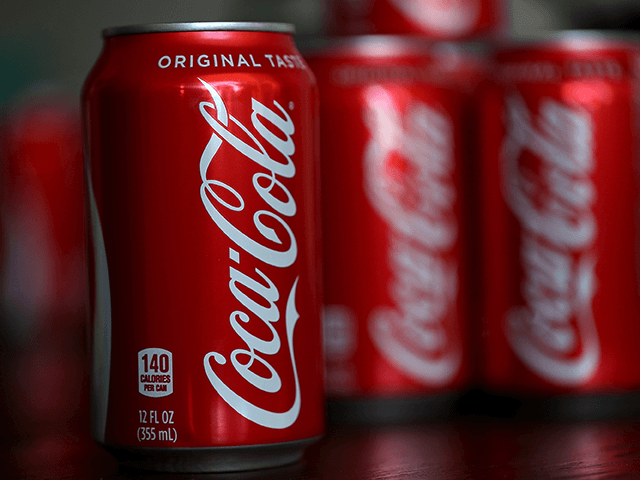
{"type": "Point", "coordinates": [441, 19]}
{"type": "Point", "coordinates": [560, 221]}
{"type": "Point", "coordinates": [395, 265]}
{"type": "Point", "coordinates": [203, 191]}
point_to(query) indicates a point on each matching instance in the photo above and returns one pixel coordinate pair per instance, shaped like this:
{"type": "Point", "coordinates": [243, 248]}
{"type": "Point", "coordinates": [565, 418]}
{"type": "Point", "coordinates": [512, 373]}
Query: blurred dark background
{"type": "Point", "coordinates": [47, 48]}
{"type": "Point", "coordinates": [61, 39]}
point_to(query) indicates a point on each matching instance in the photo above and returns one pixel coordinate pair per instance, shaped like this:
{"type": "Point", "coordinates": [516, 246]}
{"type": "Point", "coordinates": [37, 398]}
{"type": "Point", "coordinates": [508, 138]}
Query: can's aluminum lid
{"type": "Point", "coordinates": [200, 27]}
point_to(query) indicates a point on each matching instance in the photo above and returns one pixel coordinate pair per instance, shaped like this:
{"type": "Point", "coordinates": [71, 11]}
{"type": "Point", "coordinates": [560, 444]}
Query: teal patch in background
{"type": "Point", "coordinates": [24, 61]}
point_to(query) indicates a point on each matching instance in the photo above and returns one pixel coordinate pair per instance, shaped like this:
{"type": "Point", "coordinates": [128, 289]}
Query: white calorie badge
{"type": "Point", "coordinates": [155, 372]}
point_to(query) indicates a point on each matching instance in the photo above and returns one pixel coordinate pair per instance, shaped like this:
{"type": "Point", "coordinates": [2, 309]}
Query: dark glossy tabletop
{"type": "Point", "coordinates": [44, 433]}
{"type": "Point", "coordinates": [468, 448]}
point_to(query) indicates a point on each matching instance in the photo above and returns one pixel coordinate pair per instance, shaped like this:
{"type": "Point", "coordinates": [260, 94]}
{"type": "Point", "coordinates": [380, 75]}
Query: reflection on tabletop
{"type": "Point", "coordinates": [459, 449]}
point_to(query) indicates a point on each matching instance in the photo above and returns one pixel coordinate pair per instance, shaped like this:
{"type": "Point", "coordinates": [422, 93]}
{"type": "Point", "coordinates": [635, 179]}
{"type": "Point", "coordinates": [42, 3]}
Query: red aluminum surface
{"type": "Point", "coordinates": [43, 286]}
{"type": "Point", "coordinates": [438, 19]}
{"type": "Point", "coordinates": [560, 214]}
{"type": "Point", "coordinates": [203, 195]}
{"type": "Point", "coordinates": [394, 125]}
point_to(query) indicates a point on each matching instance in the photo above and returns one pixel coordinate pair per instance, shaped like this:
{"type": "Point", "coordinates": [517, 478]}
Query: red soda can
{"type": "Point", "coordinates": [394, 120]}
{"type": "Point", "coordinates": [437, 19]}
{"type": "Point", "coordinates": [44, 409]}
{"type": "Point", "coordinates": [206, 291]}
{"type": "Point", "coordinates": [560, 218]}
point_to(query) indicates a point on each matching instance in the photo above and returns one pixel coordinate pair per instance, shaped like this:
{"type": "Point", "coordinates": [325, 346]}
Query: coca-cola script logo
{"type": "Point", "coordinates": [267, 183]}
{"type": "Point", "coordinates": [443, 17]}
{"type": "Point", "coordinates": [550, 193]}
{"type": "Point", "coordinates": [408, 167]}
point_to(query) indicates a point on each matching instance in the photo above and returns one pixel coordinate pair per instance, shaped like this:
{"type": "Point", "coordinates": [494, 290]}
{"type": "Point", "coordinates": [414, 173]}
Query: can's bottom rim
{"type": "Point", "coordinates": [211, 459]}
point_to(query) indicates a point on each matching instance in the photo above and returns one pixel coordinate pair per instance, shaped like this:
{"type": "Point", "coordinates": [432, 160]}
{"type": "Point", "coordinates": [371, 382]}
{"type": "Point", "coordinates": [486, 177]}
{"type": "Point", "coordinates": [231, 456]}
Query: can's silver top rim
{"type": "Point", "coordinates": [200, 27]}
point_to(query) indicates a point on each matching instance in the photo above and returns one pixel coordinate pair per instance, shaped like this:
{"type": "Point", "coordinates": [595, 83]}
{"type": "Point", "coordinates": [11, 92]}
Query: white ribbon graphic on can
{"type": "Point", "coordinates": [418, 335]}
{"type": "Point", "coordinates": [557, 236]}
{"type": "Point", "coordinates": [270, 256]}
{"type": "Point", "coordinates": [442, 17]}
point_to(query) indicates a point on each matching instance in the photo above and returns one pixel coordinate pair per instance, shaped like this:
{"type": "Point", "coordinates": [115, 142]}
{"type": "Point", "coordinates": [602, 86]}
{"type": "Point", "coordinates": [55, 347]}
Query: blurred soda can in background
{"type": "Point", "coordinates": [205, 247]}
{"type": "Point", "coordinates": [394, 117]}
{"type": "Point", "coordinates": [43, 372]}
{"type": "Point", "coordinates": [560, 220]}
{"type": "Point", "coordinates": [438, 19]}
